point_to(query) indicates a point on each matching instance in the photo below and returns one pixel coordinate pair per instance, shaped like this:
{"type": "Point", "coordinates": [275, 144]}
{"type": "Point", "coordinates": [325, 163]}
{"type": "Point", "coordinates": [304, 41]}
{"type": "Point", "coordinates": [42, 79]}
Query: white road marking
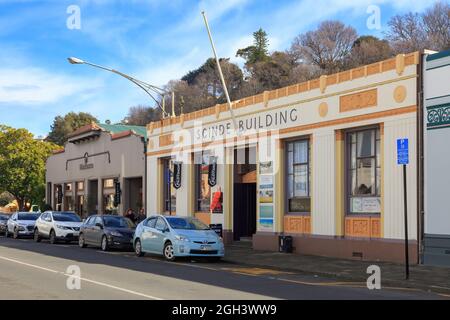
{"type": "Point", "coordinates": [83, 279]}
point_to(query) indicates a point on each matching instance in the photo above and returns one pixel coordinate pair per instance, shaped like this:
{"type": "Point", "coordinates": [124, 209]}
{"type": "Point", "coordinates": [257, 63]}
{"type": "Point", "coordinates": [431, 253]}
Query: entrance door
{"type": "Point", "coordinates": [244, 192]}
{"type": "Point", "coordinates": [93, 197]}
{"type": "Point", "coordinates": [244, 217]}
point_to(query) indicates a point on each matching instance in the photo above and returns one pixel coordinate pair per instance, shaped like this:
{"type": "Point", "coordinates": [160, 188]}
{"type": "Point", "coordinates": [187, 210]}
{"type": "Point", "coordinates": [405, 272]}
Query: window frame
{"type": "Point", "coordinates": [197, 179]}
{"type": "Point", "coordinates": [347, 167]}
{"type": "Point", "coordinates": [286, 173]}
{"type": "Point", "coordinates": [166, 191]}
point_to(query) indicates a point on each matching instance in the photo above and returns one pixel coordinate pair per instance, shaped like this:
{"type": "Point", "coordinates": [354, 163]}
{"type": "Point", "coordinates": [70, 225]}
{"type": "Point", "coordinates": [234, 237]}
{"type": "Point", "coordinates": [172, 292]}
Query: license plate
{"type": "Point", "coordinates": [205, 247]}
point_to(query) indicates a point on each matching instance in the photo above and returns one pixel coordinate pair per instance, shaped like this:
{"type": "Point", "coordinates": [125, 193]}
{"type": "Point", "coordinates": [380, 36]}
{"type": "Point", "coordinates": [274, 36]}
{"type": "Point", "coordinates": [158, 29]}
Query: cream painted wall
{"type": "Point", "coordinates": [400, 127]}
{"type": "Point", "coordinates": [323, 183]}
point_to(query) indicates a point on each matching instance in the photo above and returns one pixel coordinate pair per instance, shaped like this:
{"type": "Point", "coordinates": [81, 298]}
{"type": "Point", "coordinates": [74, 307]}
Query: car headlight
{"type": "Point", "coordinates": [115, 234]}
{"type": "Point", "coordinates": [62, 227]}
{"type": "Point", "coordinates": [182, 238]}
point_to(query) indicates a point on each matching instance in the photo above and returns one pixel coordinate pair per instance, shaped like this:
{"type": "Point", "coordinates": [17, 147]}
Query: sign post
{"type": "Point", "coordinates": [403, 159]}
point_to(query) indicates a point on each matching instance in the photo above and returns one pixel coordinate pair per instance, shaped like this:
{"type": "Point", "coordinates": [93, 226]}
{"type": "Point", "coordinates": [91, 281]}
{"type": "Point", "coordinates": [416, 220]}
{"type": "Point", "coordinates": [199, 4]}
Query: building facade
{"type": "Point", "coordinates": [436, 129]}
{"type": "Point", "coordinates": [100, 170]}
{"type": "Point", "coordinates": [315, 160]}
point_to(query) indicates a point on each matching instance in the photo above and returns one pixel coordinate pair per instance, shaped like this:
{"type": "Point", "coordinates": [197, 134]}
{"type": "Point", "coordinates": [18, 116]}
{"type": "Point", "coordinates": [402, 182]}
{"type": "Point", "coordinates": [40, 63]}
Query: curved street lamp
{"type": "Point", "coordinates": [148, 88]}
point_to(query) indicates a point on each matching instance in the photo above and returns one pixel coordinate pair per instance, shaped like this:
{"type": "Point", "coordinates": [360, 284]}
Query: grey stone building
{"type": "Point", "coordinates": [100, 170]}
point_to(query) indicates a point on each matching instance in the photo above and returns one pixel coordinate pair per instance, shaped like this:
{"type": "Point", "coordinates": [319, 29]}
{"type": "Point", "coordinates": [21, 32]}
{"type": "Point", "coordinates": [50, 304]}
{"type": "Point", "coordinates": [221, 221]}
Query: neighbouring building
{"type": "Point", "coordinates": [436, 128]}
{"type": "Point", "coordinates": [315, 160]}
{"type": "Point", "coordinates": [100, 170]}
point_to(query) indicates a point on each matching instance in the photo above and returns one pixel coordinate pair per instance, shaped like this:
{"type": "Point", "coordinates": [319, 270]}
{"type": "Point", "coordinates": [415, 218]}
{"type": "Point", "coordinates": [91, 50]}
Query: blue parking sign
{"type": "Point", "coordinates": [402, 151]}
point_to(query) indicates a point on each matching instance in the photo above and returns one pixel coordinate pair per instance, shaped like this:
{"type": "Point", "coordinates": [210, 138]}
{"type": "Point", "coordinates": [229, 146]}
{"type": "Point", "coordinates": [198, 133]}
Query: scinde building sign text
{"type": "Point", "coordinates": [266, 121]}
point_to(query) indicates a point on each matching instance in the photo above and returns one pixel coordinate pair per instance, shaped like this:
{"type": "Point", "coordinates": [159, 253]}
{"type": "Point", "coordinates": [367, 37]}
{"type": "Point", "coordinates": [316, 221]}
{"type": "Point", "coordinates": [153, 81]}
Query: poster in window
{"type": "Point", "coordinates": [217, 202]}
{"type": "Point", "coordinates": [265, 167]}
{"type": "Point", "coordinates": [266, 195]}
{"type": "Point", "coordinates": [366, 205]}
{"type": "Point", "coordinates": [265, 217]}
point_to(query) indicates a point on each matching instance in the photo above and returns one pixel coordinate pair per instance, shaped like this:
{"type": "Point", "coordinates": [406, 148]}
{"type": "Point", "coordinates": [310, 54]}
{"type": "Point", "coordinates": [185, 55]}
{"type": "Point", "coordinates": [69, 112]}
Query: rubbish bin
{"type": "Point", "coordinates": [285, 244]}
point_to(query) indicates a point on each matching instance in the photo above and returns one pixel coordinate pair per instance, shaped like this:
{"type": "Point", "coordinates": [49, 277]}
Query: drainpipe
{"type": "Point", "coordinates": [420, 160]}
{"type": "Point", "coordinates": [144, 200]}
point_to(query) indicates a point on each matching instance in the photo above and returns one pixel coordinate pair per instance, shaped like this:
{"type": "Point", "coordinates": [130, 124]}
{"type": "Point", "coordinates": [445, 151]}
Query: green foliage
{"type": "Point", "coordinates": [63, 126]}
{"type": "Point", "coordinates": [258, 52]}
{"type": "Point", "coordinates": [22, 164]}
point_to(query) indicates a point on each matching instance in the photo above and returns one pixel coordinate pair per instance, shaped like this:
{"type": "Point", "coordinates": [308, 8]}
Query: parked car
{"type": "Point", "coordinates": [21, 224]}
{"type": "Point", "coordinates": [107, 231]}
{"type": "Point", "coordinates": [3, 222]}
{"type": "Point", "coordinates": [175, 236]}
{"type": "Point", "coordinates": [55, 226]}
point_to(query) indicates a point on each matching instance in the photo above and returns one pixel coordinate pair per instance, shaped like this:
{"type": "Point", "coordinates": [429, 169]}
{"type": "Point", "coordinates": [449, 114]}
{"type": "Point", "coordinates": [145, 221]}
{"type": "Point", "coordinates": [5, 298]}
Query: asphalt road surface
{"type": "Point", "coordinates": [30, 270]}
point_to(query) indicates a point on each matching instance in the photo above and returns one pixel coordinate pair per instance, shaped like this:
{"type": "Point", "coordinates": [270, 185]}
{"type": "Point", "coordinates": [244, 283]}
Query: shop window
{"type": "Point", "coordinates": [363, 171]}
{"type": "Point", "coordinates": [68, 187]}
{"type": "Point", "coordinates": [202, 188]}
{"type": "Point", "coordinates": [298, 176]}
{"type": "Point", "coordinates": [169, 194]}
{"type": "Point", "coordinates": [80, 186]}
{"type": "Point", "coordinates": [108, 204]}
{"type": "Point", "coordinates": [108, 183]}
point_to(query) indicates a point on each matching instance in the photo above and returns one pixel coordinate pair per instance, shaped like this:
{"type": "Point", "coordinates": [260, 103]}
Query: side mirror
{"type": "Point", "coordinates": [99, 225]}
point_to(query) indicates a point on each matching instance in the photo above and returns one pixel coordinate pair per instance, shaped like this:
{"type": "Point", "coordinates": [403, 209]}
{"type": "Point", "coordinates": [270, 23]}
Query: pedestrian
{"type": "Point", "coordinates": [141, 216]}
{"type": "Point", "coordinates": [130, 215]}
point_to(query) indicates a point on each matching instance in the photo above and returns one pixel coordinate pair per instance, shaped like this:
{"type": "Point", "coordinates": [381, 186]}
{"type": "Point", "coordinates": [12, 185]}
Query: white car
{"type": "Point", "coordinates": [55, 225]}
{"type": "Point", "coordinates": [21, 224]}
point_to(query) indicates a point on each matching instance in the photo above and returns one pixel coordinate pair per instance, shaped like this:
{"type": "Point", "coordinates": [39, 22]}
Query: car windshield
{"type": "Point", "coordinates": [118, 222]}
{"type": "Point", "coordinates": [27, 216]}
{"type": "Point", "coordinates": [66, 217]}
{"type": "Point", "coordinates": [187, 223]}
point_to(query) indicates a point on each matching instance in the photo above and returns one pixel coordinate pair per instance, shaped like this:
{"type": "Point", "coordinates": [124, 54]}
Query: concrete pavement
{"type": "Point", "coordinates": [32, 270]}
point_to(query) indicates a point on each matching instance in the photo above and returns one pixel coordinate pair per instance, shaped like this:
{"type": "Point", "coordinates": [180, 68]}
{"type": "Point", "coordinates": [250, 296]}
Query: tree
{"type": "Point", "coordinates": [367, 50]}
{"type": "Point", "coordinates": [63, 126]}
{"type": "Point", "coordinates": [258, 52]}
{"type": "Point", "coordinates": [412, 31]}
{"type": "Point", "coordinates": [437, 25]}
{"type": "Point", "coordinates": [141, 115]}
{"type": "Point", "coordinates": [22, 165]}
{"type": "Point", "coordinates": [407, 33]}
{"type": "Point", "coordinates": [326, 47]}
{"type": "Point", "coordinates": [5, 198]}
{"type": "Point", "coordinates": [202, 88]}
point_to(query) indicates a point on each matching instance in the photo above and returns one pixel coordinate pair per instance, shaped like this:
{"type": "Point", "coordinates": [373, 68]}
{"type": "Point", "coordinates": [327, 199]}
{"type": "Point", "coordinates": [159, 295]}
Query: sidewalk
{"type": "Point", "coordinates": [426, 278]}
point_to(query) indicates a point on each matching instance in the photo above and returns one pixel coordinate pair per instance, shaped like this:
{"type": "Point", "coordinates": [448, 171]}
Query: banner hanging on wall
{"type": "Point", "coordinates": [177, 174]}
{"type": "Point", "coordinates": [212, 171]}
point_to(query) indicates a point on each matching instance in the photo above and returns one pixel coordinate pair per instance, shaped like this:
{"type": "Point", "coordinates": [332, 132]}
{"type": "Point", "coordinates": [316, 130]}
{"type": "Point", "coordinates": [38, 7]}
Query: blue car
{"type": "Point", "coordinates": [174, 236]}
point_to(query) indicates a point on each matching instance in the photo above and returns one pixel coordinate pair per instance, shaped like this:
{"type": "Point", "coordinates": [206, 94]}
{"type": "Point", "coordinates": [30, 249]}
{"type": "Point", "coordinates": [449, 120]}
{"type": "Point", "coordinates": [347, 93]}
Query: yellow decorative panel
{"type": "Point", "coordinates": [297, 224]}
{"type": "Point", "coordinates": [204, 217]}
{"type": "Point", "coordinates": [363, 227]}
{"type": "Point", "coordinates": [165, 140]}
{"type": "Point", "coordinates": [358, 100]}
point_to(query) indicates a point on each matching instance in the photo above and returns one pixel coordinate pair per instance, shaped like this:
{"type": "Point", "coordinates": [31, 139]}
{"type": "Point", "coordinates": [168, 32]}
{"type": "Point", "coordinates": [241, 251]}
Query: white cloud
{"type": "Point", "coordinates": [30, 85]}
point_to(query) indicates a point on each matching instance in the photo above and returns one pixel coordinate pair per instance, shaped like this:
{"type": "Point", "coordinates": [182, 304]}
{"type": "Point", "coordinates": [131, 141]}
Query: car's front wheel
{"type": "Point", "coordinates": [169, 252]}
{"type": "Point", "coordinates": [37, 237]}
{"type": "Point", "coordinates": [52, 237]}
{"type": "Point", "coordinates": [104, 244]}
{"type": "Point", "coordinates": [138, 248]}
{"type": "Point", "coordinates": [81, 241]}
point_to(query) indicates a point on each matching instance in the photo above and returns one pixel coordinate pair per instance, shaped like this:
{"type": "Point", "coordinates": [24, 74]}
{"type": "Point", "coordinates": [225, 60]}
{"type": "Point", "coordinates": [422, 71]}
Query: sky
{"type": "Point", "coordinates": [152, 40]}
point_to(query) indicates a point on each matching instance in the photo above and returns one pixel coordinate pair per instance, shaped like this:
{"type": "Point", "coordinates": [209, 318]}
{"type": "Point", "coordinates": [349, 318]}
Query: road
{"type": "Point", "coordinates": [30, 270]}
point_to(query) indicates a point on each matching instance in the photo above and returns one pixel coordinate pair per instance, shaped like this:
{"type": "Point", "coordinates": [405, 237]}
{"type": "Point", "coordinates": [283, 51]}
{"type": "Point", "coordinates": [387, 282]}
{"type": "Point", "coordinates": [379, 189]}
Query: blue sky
{"type": "Point", "coordinates": [154, 40]}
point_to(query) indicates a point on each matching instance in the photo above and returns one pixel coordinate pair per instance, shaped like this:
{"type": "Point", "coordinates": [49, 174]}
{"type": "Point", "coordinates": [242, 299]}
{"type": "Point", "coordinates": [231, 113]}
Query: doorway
{"type": "Point", "coordinates": [244, 193]}
{"type": "Point", "coordinates": [92, 204]}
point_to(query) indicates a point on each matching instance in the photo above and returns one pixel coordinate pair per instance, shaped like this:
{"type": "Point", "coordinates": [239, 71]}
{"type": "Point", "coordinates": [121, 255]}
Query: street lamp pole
{"type": "Point", "coordinates": [148, 88]}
